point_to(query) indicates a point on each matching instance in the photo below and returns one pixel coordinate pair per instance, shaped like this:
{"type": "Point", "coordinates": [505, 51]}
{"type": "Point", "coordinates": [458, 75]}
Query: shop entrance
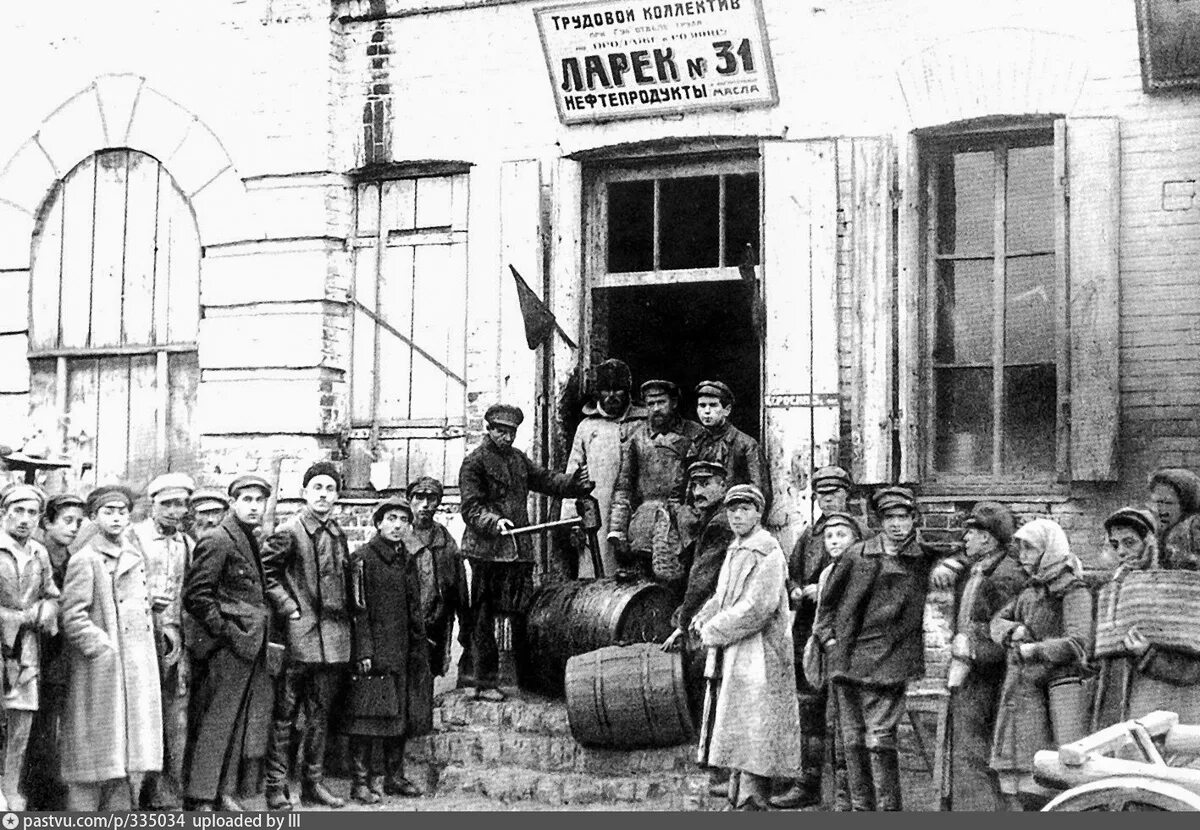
{"type": "Point", "coordinates": [686, 332]}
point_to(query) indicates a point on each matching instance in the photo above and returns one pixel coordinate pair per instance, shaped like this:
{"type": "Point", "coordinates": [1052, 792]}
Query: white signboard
{"type": "Point", "coordinates": [611, 60]}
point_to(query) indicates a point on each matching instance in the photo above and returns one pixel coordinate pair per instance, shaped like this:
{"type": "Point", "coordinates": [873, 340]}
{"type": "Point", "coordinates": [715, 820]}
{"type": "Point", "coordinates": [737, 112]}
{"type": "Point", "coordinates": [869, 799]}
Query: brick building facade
{"type": "Point", "coordinates": [358, 175]}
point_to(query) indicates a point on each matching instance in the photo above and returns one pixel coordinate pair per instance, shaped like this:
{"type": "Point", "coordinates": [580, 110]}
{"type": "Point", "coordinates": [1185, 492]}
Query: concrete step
{"type": "Point", "coordinates": [510, 785]}
{"type": "Point", "coordinates": [524, 712]}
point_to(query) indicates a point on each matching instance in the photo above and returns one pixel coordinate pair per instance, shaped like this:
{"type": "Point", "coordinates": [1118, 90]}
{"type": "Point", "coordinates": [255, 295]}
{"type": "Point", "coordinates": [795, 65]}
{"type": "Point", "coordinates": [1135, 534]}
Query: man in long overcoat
{"type": "Point", "coordinates": [977, 663]}
{"type": "Point", "coordinates": [643, 524]}
{"type": "Point", "coordinates": [442, 577]}
{"type": "Point", "coordinates": [705, 551]}
{"type": "Point", "coordinates": [112, 721]}
{"type": "Point", "coordinates": [305, 561]}
{"type": "Point", "coordinates": [608, 423]}
{"type": "Point", "coordinates": [724, 443]}
{"type": "Point", "coordinates": [495, 480]}
{"type": "Point", "coordinates": [225, 594]}
{"type": "Point", "coordinates": [168, 551]}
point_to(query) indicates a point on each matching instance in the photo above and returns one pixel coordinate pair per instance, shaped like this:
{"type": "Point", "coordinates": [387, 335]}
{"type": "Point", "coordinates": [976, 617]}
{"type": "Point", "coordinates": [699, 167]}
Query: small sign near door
{"type": "Point", "coordinates": [609, 60]}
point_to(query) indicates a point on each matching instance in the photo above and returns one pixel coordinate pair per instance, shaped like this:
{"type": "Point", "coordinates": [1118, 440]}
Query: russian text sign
{"type": "Point", "coordinates": [611, 60]}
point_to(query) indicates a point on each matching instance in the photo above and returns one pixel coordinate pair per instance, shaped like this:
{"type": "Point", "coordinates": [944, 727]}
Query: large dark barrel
{"type": "Point", "coordinates": [570, 618]}
{"type": "Point", "coordinates": [629, 697]}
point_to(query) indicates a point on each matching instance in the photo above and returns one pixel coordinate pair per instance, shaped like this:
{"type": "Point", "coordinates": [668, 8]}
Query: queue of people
{"type": "Point", "coordinates": [164, 667]}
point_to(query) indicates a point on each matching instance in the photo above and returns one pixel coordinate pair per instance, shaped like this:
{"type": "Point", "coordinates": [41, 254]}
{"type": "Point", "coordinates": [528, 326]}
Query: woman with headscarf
{"type": "Point", "coordinates": [1047, 632]}
{"type": "Point", "coordinates": [1175, 500]}
{"type": "Point", "coordinates": [1144, 677]}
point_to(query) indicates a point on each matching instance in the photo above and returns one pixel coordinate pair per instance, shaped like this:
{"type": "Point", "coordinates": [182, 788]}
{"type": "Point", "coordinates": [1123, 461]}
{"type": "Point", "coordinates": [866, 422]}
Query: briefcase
{"type": "Point", "coordinates": [373, 696]}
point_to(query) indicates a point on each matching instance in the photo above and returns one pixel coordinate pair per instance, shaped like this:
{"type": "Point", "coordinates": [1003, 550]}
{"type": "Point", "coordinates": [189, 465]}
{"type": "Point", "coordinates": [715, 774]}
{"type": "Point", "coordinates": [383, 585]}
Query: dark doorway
{"type": "Point", "coordinates": [687, 333]}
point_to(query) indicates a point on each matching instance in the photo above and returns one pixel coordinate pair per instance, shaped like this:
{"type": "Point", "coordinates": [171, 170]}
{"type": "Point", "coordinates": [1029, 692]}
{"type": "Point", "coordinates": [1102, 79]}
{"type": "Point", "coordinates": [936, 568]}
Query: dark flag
{"type": "Point", "coordinates": [539, 320]}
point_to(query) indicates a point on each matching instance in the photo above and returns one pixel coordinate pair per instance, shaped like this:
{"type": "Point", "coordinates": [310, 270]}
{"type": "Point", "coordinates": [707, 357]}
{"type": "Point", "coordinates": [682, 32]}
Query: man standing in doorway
{"type": "Point", "coordinates": [305, 562]}
{"type": "Point", "coordinates": [168, 552]}
{"type": "Point", "coordinates": [727, 445]}
{"type": "Point", "coordinates": [608, 423]}
{"type": "Point", "coordinates": [495, 480]}
{"type": "Point", "coordinates": [643, 524]}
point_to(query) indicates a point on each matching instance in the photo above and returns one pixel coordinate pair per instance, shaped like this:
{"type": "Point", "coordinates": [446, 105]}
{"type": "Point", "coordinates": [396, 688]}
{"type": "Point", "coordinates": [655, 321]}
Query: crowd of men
{"type": "Point", "coordinates": [180, 661]}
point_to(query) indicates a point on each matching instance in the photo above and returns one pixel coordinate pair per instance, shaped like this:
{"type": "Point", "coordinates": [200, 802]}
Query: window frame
{"type": "Point", "coordinates": [933, 146]}
{"type": "Point", "coordinates": [374, 428]}
{"type": "Point", "coordinates": [740, 162]}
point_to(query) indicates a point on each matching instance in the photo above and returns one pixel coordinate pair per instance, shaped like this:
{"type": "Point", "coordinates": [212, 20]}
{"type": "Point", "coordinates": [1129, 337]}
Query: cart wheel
{"type": "Point", "coordinates": [1124, 795]}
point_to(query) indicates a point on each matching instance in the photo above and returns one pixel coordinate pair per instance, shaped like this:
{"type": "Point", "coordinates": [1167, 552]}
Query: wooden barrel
{"type": "Point", "coordinates": [570, 618]}
{"type": "Point", "coordinates": [629, 697]}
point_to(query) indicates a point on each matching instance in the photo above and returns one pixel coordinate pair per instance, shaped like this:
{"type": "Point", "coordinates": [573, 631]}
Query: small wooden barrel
{"type": "Point", "coordinates": [629, 697]}
{"type": "Point", "coordinates": [570, 618]}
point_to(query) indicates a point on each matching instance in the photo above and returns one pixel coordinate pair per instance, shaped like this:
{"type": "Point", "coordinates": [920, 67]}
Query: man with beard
{"type": "Point", "coordinates": [607, 426]}
{"type": "Point", "coordinates": [495, 480]}
{"type": "Point", "coordinates": [28, 609]}
{"type": "Point", "coordinates": [724, 443]}
{"type": "Point", "coordinates": [643, 524]}
{"type": "Point", "coordinates": [208, 509]}
{"type": "Point", "coordinates": [440, 571]}
{"type": "Point", "coordinates": [225, 594]}
{"type": "Point", "coordinates": [168, 552]}
{"type": "Point", "coordinates": [305, 562]}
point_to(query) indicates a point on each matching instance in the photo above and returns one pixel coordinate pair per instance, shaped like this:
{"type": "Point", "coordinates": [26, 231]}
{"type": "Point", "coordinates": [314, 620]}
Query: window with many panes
{"type": "Point", "coordinates": [409, 300]}
{"type": "Point", "coordinates": [993, 294]}
{"type": "Point", "coordinates": [681, 222]}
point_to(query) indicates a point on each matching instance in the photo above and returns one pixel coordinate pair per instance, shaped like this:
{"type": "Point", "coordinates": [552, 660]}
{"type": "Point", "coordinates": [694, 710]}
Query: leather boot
{"type": "Point", "coordinates": [315, 792]}
{"type": "Point", "coordinates": [394, 782]}
{"type": "Point", "coordinates": [360, 791]}
{"type": "Point", "coordinates": [805, 791]}
{"type": "Point", "coordinates": [885, 772]}
{"type": "Point", "coordinates": [277, 764]}
{"type": "Point", "coordinates": [858, 779]}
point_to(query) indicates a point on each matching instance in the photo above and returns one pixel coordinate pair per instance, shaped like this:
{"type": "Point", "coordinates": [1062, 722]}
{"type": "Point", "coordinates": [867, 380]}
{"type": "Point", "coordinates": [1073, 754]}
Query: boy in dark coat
{"type": "Point", "coordinates": [440, 572]}
{"type": "Point", "coordinates": [870, 626]}
{"type": "Point", "coordinates": [977, 664]}
{"type": "Point", "coordinates": [722, 442]}
{"type": "Point", "coordinates": [495, 480]}
{"type": "Point", "coordinates": [389, 642]}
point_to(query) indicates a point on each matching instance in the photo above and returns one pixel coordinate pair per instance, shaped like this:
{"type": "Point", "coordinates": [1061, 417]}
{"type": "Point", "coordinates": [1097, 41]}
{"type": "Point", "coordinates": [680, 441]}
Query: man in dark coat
{"type": "Point", "coordinates": [643, 524]}
{"type": "Point", "coordinates": [495, 480]}
{"type": "Point", "coordinates": [870, 625]}
{"type": "Point", "coordinates": [831, 485]}
{"type": "Point", "coordinates": [724, 443]}
{"type": "Point", "coordinates": [227, 627]}
{"type": "Point", "coordinates": [705, 551]}
{"type": "Point", "coordinates": [305, 561]}
{"type": "Point", "coordinates": [440, 571]}
{"type": "Point", "coordinates": [977, 664]}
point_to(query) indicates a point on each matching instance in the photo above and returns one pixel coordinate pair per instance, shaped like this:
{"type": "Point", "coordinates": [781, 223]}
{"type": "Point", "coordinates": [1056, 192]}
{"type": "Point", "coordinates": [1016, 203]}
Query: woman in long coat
{"type": "Point", "coordinates": [112, 720]}
{"type": "Point", "coordinates": [1145, 677]}
{"type": "Point", "coordinates": [1047, 632]}
{"type": "Point", "coordinates": [756, 728]}
{"type": "Point", "coordinates": [390, 697]}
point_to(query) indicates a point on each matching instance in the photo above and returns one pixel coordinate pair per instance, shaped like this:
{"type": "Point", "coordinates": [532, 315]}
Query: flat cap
{"type": "Point", "coordinates": [888, 498]}
{"type": "Point", "coordinates": [831, 478]}
{"type": "Point", "coordinates": [425, 484]}
{"type": "Point", "coordinates": [836, 518]}
{"type": "Point", "coordinates": [505, 415]}
{"type": "Point", "coordinates": [208, 499]}
{"type": "Point", "coordinates": [1142, 521]}
{"type": "Point", "coordinates": [22, 492]}
{"type": "Point", "coordinates": [62, 501]}
{"type": "Point", "coordinates": [394, 503]}
{"type": "Point", "coordinates": [659, 385]}
{"type": "Point", "coordinates": [322, 468]}
{"type": "Point", "coordinates": [995, 518]}
{"type": "Point", "coordinates": [745, 492]}
{"type": "Point", "coordinates": [248, 480]}
{"type": "Point", "coordinates": [707, 468]}
{"type": "Point", "coordinates": [171, 485]}
{"type": "Point", "coordinates": [715, 389]}
{"type": "Point", "coordinates": [107, 494]}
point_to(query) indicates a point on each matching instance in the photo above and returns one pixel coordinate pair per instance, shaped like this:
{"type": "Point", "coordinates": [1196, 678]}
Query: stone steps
{"type": "Point", "coordinates": [513, 785]}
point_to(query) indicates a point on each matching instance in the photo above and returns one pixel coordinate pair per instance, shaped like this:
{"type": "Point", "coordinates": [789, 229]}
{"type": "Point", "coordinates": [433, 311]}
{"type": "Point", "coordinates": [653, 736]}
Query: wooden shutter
{"type": "Point", "coordinates": [910, 274]}
{"type": "Point", "coordinates": [1093, 167]}
{"type": "Point", "coordinates": [799, 209]}
{"type": "Point", "coordinates": [865, 166]}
